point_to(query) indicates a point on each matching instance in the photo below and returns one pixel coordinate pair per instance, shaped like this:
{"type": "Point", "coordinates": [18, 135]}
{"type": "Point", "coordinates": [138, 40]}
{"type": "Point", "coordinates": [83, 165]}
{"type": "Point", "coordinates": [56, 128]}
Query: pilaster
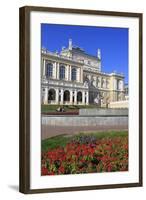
{"type": "Point", "coordinates": [44, 68]}
{"type": "Point", "coordinates": [69, 72]}
{"type": "Point", "coordinates": [87, 98]}
{"type": "Point", "coordinates": [75, 97]}
{"type": "Point", "coordinates": [100, 81]}
{"type": "Point", "coordinates": [62, 93]}
{"type": "Point", "coordinates": [54, 71]}
{"type": "Point", "coordinates": [57, 70]}
{"type": "Point", "coordinates": [71, 97]}
{"type": "Point", "coordinates": [78, 75]}
{"type": "Point", "coordinates": [57, 96]}
{"type": "Point", "coordinates": [81, 75]}
{"type": "Point", "coordinates": [83, 97]}
{"type": "Point", "coordinates": [46, 96]}
{"type": "Point", "coordinates": [115, 84]}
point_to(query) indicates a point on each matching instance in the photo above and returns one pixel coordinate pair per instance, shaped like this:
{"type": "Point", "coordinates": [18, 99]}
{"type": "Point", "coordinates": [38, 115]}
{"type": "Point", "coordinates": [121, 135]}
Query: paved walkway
{"type": "Point", "coordinates": [50, 131]}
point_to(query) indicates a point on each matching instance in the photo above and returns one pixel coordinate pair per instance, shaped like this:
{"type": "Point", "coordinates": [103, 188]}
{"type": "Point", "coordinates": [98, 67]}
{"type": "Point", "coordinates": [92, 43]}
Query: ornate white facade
{"type": "Point", "coordinates": [75, 77]}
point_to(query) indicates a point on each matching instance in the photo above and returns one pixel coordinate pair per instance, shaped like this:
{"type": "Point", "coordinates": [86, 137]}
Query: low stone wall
{"type": "Point", "coordinates": [103, 112]}
{"type": "Point", "coordinates": [85, 121]}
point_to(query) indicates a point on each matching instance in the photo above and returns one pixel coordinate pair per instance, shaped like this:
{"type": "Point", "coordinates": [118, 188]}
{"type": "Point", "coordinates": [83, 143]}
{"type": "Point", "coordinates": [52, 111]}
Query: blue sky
{"type": "Point", "coordinates": [113, 43]}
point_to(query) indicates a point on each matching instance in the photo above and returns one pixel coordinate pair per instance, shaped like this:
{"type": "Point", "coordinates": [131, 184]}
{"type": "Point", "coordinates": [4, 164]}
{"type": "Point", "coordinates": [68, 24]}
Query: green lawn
{"type": "Point", "coordinates": [52, 108]}
{"type": "Point", "coordinates": [62, 140]}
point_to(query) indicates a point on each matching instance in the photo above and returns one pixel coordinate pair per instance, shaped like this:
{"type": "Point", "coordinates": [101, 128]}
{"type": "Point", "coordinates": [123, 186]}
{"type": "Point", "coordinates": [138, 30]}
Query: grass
{"type": "Point", "coordinates": [62, 140]}
{"type": "Point", "coordinates": [52, 108]}
{"type": "Point", "coordinates": [54, 142]}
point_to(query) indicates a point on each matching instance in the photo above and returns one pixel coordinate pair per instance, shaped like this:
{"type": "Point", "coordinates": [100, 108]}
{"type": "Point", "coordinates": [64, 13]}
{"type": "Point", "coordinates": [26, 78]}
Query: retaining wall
{"type": "Point", "coordinates": [85, 120]}
{"type": "Point", "coordinates": [103, 112]}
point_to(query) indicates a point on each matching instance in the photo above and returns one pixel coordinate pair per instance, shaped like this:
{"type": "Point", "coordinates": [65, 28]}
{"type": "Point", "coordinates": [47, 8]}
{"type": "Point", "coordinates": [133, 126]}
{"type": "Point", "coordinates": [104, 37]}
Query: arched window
{"type": "Point", "coordinates": [66, 95]}
{"type": "Point", "coordinates": [49, 69]}
{"type": "Point", "coordinates": [62, 72]}
{"type": "Point", "coordinates": [73, 74]}
{"type": "Point", "coordinates": [79, 96]}
{"type": "Point", "coordinates": [51, 94]}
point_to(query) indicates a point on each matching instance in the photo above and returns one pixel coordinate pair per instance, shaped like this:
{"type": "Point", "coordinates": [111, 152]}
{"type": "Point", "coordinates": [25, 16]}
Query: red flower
{"type": "Point", "coordinates": [44, 171]}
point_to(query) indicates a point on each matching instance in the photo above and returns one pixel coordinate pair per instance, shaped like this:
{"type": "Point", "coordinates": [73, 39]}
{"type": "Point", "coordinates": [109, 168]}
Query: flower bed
{"type": "Point", "coordinates": [87, 154]}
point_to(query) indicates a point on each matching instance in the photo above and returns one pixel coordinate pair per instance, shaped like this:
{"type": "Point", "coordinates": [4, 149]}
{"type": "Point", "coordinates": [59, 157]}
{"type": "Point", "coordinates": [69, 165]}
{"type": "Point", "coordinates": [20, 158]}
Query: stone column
{"type": "Point", "coordinates": [62, 94]}
{"type": "Point", "coordinates": [54, 71]}
{"type": "Point", "coordinates": [44, 68]}
{"type": "Point", "coordinates": [105, 80]}
{"type": "Point", "coordinates": [78, 75]}
{"type": "Point", "coordinates": [71, 97]}
{"type": "Point", "coordinates": [83, 97]}
{"type": "Point", "coordinates": [81, 77]}
{"type": "Point", "coordinates": [57, 70]}
{"type": "Point", "coordinates": [122, 85]}
{"type": "Point", "coordinates": [87, 98]}
{"type": "Point", "coordinates": [57, 96]}
{"type": "Point", "coordinates": [100, 82]}
{"type": "Point", "coordinates": [66, 73]}
{"type": "Point", "coordinates": [95, 81]}
{"type": "Point", "coordinates": [75, 97]}
{"type": "Point", "coordinates": [107, 83]}
{"type": "Point", "coordinates": [115, 84]}
{"type": "Point", "coordinates": [46, 96]}
{"type": "Point", "coordinates": [69, 72]}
